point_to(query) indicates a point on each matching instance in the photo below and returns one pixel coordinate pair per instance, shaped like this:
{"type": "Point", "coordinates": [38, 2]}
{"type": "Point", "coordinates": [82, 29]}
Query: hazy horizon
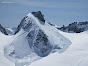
{"type": "Point", "coordinates": [56, 11]}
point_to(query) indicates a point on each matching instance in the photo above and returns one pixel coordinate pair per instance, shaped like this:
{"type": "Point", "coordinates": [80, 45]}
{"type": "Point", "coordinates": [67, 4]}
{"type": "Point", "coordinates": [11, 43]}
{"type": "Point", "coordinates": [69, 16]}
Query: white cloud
{"type": "Point", "coordinates": [6, 2]}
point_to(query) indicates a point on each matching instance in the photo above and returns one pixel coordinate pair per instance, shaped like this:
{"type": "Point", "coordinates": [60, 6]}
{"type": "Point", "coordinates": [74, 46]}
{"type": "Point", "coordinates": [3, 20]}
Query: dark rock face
{"type": "Point", "coordinates": [39, 16]}
{"type": "Point", "coordinates": [24, 25]}
{"type": "Point", "coordinates": [41, 44]}
{"type": "Point", "coordinates": [30, 37]}
{"type": "Point", "coordinates": [3, 30]}
{"type": "Point", "coordinates": [51, 24]}
{"type": "Point", "coordinates": [18, 29]}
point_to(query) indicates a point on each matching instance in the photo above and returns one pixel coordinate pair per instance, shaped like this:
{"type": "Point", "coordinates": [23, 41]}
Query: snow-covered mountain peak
{"type": "Point", "coordinates": [35, 37]}
{"type": "Point", "coordinates": [37, 16]}
{"type": "Point", "coordinates": [33, 18]}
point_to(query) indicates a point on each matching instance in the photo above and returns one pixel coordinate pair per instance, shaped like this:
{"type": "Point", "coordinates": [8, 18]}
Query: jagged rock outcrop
{"type": "Point", "coordinates": [2, 29]}
{"type": "Point", "coordinates": [41, 45]}
{"type": "Point", "coordinates": [75, 27]}
{"type": "Point", "coordinates": [37, 14]}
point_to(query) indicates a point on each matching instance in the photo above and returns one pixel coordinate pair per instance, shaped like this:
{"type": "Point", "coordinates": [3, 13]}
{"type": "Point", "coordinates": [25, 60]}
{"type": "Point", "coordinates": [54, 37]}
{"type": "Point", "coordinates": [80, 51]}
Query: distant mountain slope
{"type": "Point", "coordinates": [2, 29]}
{"type": "Point", "coordinates": [75, 27]}
{"type": "Point", "coordinates": [10, 31]}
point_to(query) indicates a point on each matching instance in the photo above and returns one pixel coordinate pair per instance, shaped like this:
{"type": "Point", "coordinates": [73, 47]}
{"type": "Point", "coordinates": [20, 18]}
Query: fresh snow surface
{"type": "Point", "coordinates": [4, 40]}
{"type": "Point", "coordinates": [75, 55]}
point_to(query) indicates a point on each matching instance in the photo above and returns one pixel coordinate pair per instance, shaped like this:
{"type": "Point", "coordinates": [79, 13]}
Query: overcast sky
{"type": "Point", "coordinates": [60, 12]}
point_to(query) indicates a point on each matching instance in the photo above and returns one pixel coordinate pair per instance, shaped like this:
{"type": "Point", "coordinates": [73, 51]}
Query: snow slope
{"type": "Point", "coordinates": [75, 55]}
{"type": "Point", "coordinates": [4, 40]}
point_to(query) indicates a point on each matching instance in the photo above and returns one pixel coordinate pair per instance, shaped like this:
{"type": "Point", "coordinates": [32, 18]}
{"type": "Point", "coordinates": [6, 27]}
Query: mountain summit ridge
{"type": "Point", "coordinates": [27, 18]}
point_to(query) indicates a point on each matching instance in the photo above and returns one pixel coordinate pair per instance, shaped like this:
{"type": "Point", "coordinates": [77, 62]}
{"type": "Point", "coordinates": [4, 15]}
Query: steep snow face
{"type": "Point", "coordinates": [34, 39]}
